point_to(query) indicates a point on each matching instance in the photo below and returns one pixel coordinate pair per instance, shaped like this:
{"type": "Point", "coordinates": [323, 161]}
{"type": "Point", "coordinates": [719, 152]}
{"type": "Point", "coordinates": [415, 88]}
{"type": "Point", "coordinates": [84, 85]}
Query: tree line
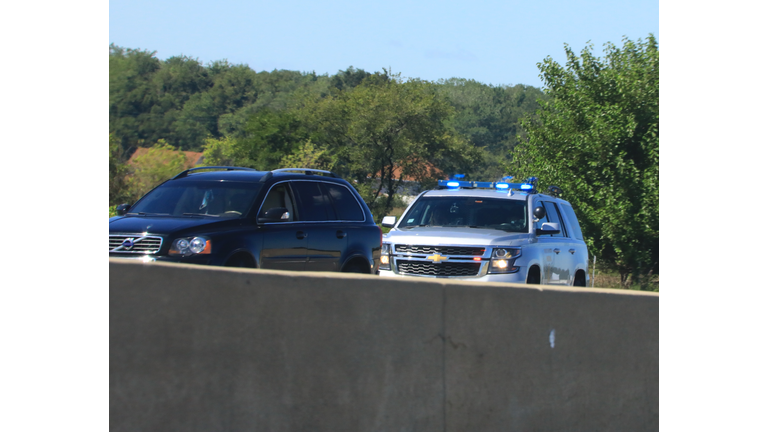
{"type": "Point", "coordinates": [592, 129]}
{"type": "Point", "coordinates": [187, 104]}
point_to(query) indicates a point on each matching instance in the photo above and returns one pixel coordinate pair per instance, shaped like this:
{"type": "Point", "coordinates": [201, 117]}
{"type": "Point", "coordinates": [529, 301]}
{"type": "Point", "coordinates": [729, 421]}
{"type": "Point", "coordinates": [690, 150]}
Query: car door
{"type": "Point", "coordinates": [326, 234]}
{"type": "Point", "coordinates": [546, 246]}
{"type": "Point", "coordinates": [285, 242]}
{"type": "Point", "coordinates": [563, 260]}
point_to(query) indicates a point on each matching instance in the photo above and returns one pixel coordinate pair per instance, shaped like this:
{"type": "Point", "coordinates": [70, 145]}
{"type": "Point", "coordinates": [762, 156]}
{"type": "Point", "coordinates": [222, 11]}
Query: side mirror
{"type": "Point", "coordinates": [122, 209]}
{"type": "Point", "coordinates": [548, 228]}
{"type": "Point", "coordinates": [539, 212]}
{"type": "Point", "coordinates": [276, 214]}
{"type": "Point", "coordinates": [389, 221]}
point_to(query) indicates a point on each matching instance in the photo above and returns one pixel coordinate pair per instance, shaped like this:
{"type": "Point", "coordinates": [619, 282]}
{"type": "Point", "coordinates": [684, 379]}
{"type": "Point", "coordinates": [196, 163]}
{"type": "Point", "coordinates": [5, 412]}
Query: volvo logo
{"type": "Point", "coordinates": [437, 258]}
{"type": "Point", "coordinates": [128, 243]}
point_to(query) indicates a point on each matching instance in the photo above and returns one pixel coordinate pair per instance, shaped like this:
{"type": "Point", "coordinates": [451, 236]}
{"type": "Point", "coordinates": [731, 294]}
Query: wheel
{"type": "Point", "coordinates": [579, 280]}
{"type": "Point", "coordinates": [534, 277]}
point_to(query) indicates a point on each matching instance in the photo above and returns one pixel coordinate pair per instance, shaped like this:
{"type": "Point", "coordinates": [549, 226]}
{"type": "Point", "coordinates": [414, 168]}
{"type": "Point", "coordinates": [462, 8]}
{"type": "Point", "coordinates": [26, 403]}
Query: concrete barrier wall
{"type": "Point", "coordinates": [195, 348]}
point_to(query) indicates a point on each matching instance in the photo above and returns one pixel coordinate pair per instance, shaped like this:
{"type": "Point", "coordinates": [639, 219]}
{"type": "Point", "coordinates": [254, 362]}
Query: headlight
{"type": "Point", "coordinates": [190, 246]}
{"type": "Point", "coordinates": [197, 245]}
{"type": "Point", "coordinates": [386, 248]}
{"type": "Point", "coordinates": [503, 260]}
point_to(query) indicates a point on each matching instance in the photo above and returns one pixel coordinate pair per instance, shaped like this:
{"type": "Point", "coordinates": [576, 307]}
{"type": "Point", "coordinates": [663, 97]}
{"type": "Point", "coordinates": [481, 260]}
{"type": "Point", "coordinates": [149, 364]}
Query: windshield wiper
{"type": "Point", "coordinates": [199, 214]}
{"type": "Point", "coordinates": [148, 214]}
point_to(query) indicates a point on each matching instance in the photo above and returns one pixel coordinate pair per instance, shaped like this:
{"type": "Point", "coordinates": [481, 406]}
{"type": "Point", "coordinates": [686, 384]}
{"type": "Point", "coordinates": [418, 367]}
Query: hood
{"type": "Point", "coordinates": [456, 236]}
{"type": "Point", "coordinates": [160, 225]}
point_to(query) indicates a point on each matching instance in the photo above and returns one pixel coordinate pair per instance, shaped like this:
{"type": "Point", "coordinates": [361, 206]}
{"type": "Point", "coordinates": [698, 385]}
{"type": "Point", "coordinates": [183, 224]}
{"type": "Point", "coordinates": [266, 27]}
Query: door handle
{"type": "Point", "coordinates": [340, 234]}
{"type": "Point", "coordinates": [301, 235]}
{"type": "Point", "coordinates": [557, 251]}
{"type": "Point", "coordinates": [572, 251]}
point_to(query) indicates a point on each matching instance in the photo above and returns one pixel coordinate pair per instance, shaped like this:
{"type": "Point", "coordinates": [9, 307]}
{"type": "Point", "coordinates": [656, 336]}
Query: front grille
{"type": "Point", "coordinates": [141, 245]}
{"type": "Point", "coordinates": [442, 269]}
{"type": "Point", "coordinates": [442, 250]}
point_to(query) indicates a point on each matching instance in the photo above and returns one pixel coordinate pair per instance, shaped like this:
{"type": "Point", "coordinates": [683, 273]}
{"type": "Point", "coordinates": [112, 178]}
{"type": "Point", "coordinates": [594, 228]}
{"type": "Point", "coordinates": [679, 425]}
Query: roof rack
{"type": "Point", "coordinates": [227, 168]}
{"type": "Point", "coordinates": [307, 171]}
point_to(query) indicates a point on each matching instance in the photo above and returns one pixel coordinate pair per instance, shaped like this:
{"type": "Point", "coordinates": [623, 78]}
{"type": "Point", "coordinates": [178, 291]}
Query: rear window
{"type": "Point", "coordinates": [573, 221]}
{"type": "Point", "coordinates": [314, 205]}
{"type": "Point", "coordinates": [347, 207]}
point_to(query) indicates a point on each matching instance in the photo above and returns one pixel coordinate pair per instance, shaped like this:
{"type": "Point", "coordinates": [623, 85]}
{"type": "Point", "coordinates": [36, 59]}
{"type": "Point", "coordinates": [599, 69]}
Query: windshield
{"type": "Point", "coordinates": [187, 198]}
{"type": "Point", "coordinates": [476, 212]}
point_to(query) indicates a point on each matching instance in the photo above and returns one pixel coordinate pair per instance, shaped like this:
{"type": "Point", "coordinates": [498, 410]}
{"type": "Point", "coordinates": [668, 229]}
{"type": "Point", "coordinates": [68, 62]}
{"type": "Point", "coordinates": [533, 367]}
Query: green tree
{"type": "Point", "coordinates": [131, 94]}
{"type": "Point", "coordinates": [118, 171]}
{"type": "Point", "coordinates": [267, 137]}
{"type": "Point", "coordinates": [350, 78]}
{"type": "Point", "coordinates": [384, 130]}
{"type": "Point", "coordinates": [221, 152]}
{"type": "Point", "coordinates": [489, 116]}
{"type": "Point", "coordinates": [598, 139]}
{"type": "Point", "coordinates": [161, 162]}
{"type": "Point", "coordinates": [309, 155]}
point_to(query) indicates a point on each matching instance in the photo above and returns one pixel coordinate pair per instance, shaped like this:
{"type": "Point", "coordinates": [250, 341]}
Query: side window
{"type": "Point", "coordinates": [542, 220]}
{"type": "Point", "coordinates": [314, 204]}
{"type": "Point", "coordinates": [347, 207]}
{"type": "Point", "coordinates": [554, 216]}
{"type": "Point", "coordinates": [571, 216]}
{"type": "Point", "coordinates": [279, 196]}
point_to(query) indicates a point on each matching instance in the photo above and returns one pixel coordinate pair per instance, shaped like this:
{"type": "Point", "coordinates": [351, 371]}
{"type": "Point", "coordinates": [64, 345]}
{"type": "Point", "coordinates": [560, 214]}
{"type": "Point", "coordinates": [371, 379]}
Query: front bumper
{"type": "Point", "coordinates": [517, 277]}
{"type": "Point", "coordinates": [199, 259]}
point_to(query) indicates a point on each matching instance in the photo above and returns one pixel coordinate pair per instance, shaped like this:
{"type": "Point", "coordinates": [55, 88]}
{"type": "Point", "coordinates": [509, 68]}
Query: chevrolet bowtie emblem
{"type": "Point", "coordinates": [437, 258]}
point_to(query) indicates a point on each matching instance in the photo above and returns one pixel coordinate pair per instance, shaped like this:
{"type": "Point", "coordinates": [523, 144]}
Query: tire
{"type": "Point", "coordinates": [579, 280]}
{"type": "Point", "coordinates": [534, 277]}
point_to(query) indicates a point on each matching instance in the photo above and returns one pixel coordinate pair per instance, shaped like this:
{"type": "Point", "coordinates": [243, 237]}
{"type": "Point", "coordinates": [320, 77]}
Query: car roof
{"type": "Point", "coordinates": [254, 176]}
{"type": "Point", "coordinates": [489, 193]}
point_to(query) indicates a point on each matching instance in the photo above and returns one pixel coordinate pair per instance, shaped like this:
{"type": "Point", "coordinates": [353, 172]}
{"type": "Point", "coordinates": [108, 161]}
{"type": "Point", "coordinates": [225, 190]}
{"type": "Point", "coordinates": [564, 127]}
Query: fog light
{"type": "Point", "coordinates": [385, 259]}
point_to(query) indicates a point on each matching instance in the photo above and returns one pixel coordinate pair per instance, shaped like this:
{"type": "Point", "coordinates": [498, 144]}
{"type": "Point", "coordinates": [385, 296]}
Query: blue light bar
{"type": "Point", "coordinates": [499, 186]}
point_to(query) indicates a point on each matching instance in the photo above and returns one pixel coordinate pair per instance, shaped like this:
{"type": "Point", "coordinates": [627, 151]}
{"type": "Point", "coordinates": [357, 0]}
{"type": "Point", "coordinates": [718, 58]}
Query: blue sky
{"type": "Point", "coordinates": [494, 42]}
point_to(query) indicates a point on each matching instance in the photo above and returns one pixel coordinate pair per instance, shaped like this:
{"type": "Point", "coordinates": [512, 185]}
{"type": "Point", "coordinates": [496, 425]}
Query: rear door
{"type": "Point", "coordinates": [326, 234]}
{"type": "Point", "coordinates": [575, 246]}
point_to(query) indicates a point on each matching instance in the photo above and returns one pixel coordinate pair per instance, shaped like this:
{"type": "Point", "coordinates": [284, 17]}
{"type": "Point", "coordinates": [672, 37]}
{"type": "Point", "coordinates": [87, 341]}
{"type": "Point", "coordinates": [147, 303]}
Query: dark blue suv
{"type": "Point", "coordinates": [287, 219]}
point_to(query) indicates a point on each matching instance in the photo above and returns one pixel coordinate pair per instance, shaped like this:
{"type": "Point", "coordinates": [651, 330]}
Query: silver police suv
{"type": "Point", "coordinates": [487, 231]}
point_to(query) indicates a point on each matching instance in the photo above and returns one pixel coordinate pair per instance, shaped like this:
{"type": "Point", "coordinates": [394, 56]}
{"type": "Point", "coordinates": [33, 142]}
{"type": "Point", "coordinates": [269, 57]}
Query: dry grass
{"type": "Point", "coordinates": [611, 279]}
